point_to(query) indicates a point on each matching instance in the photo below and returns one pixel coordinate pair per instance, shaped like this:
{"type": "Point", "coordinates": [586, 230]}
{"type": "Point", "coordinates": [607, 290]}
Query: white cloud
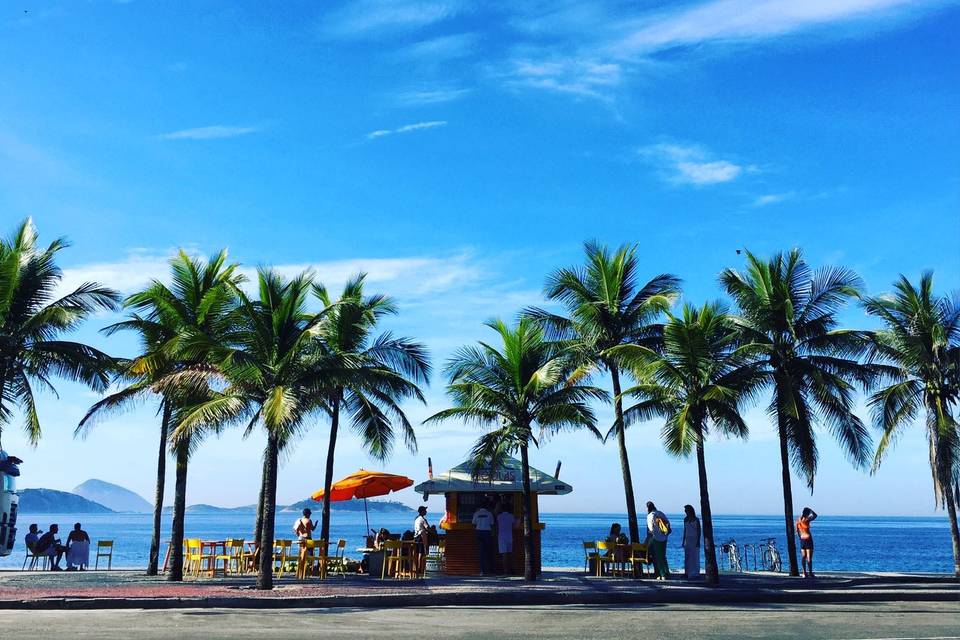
{"type": "Point", "coordinates": [772, 198]}
{"type": "Point", "coordinates": [430, 96]}
{"type": "Point", "coordinates": [449, 47]}
{"type": "Point", "coordinates": [564, 44]}
{"type": "Point", "coordinates": [407, 128]}
{"type": "Point", "coordinates": [369, 18]}
{"type": "Point", "coordinates": [212, 132]}
{"type": "Point", "coordinates": [687, 164]}
{"type": "Point", "coordinates": [732, 20]}
{"type": "Point", "coordinates": [576, 76]}
{"type": "Point", "coordinates": [407, 276]}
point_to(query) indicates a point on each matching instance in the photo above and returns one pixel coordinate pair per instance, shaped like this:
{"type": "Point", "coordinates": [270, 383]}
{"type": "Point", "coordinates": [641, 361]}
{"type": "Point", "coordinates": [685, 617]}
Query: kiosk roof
{"type": "Point", "coordinates": [507, 478]}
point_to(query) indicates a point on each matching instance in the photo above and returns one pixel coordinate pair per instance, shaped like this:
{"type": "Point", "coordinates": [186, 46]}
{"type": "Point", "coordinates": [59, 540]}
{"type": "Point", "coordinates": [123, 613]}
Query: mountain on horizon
{"type": "Point", "coordinates": [36, 501]}
{"type": "Point", "coordinates": [113, 496]}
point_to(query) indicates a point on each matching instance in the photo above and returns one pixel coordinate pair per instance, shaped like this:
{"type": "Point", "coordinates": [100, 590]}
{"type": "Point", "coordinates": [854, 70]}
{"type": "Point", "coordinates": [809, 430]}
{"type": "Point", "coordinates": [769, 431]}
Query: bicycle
{"type": "Point", "coordinates": [730, 556]}
{"type": "Point", "coordinates": [771, 556]}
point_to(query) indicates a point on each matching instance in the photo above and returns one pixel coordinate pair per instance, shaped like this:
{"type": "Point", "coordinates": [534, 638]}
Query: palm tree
{"type": "Point", "coordinates": [182, 325]}
{"type": "Point", "coordinates": [789, 313]}
{"type": "Point", "coordinates": [606, 307]}
{"type": "Point", "coordinates": [153, 336]}
{"type": "Point", "coordinates": [921, 337]}
{"type": "Point", "coordinates": [701, 379]}
{"type": "Point", "coordinates": [373, 375]}
{"type": "Point", "coordinates": [517, 389]}
{"type": "Point", "coordinates": [276, 375]}
{"type": "Point", "coordinates": [32, 320]}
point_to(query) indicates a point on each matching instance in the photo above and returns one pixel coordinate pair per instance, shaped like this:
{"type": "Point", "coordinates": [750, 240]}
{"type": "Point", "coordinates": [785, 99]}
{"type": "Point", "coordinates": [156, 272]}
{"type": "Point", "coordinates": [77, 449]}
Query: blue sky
{"type": "Point", "coordinates": [458, 152]}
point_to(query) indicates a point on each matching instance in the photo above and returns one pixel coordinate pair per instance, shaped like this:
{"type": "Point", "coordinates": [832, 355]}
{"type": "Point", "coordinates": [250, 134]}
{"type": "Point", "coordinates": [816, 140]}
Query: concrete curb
{"type": "Point", "coordinates": [501, 598]}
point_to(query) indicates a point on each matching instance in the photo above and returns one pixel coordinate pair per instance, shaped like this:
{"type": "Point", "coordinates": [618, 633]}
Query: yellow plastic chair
{"type": "Point", "coordinates": [104, 550]}
{"type": "Point", "coordinates": [589, 553]}
{"type": "Point", "coordinates": [232, 556]}
{"type": "Point", "coordinates": [338, 563]}
{"type": "Point", "coordinates": [639, 556]}
{"type": "Point", "coordinates": [395, 562]}
{"type": "Point", "coordinates": [312, 559]}
{"type": "Point", "coordinates": [283, 556]}
{"type": "Point", "coordinates": [192, 554]}
{"type": "Point", "coordinates": [606, 554]}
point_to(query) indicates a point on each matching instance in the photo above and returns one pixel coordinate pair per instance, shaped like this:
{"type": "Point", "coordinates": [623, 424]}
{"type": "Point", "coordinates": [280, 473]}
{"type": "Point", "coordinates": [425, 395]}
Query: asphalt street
{"type": "Point", "coordinates": [874, 621]}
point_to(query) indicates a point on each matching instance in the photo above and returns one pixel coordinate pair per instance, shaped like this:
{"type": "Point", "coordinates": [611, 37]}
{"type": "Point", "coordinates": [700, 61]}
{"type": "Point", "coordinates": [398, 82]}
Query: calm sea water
{"type": "Point", "coordinates": [842, 543]}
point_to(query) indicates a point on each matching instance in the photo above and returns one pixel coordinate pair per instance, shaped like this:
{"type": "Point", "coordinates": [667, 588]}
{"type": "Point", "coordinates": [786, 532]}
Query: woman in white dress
{"type": "Point", "coordinates": [691, 543]}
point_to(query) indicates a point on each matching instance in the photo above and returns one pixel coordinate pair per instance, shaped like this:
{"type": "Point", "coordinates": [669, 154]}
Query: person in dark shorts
{"type": "Point", "coordinates": [421, 533]}
{"type": "Point", "coordinates": [806, 540]}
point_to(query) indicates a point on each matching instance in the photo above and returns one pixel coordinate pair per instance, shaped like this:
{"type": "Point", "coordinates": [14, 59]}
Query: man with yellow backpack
{"type": "Point", "coordinates": [658, 530]}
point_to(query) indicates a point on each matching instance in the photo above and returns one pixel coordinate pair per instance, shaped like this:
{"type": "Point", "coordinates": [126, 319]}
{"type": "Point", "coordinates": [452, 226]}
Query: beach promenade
{"type": "Point", "coordinates": [131, 589]}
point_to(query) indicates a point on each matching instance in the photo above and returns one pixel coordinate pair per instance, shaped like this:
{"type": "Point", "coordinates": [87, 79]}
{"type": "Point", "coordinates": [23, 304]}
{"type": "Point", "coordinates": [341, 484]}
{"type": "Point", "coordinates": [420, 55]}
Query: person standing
{"type": "Point", "coordinates": [421, 535]}
{"type": "Point", "coordinates": [483, 524]}
{"type": "Point", "coordinates": [505, 521]}
{"type": "Point", "coordinates": [691, 543]}
{"type": "Point", "coordinates": [304, 526]}
{"type": "Point", "coordinates": [806, 540]}
{"type": "Point", "coordinates": [658, 531]}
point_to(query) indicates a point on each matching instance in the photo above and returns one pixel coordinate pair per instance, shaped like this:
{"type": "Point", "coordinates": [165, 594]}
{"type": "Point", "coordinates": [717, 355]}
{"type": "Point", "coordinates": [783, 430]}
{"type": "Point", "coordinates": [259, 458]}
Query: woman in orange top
{"type": "Point", "coordinates": [806, 540]}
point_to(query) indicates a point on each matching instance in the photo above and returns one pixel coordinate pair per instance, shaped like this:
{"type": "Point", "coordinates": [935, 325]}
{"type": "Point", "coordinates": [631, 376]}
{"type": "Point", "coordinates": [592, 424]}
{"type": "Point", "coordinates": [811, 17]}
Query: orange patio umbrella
{"type": "Point", "coordinates": [364, 484]}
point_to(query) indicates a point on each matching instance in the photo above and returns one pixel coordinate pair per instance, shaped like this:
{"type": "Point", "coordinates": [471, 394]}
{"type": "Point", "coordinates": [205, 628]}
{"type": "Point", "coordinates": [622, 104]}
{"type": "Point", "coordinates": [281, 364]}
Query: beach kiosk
{"type": "Point", "coordinates": [464, 493]}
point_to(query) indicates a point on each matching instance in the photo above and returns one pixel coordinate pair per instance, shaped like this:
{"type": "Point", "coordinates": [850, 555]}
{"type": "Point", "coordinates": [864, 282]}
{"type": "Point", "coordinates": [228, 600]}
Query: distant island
{"type": "Point", "coordinates": [374, 506]}
{"type": "Point", "coordinates": [97, 496]}
{"type": "Point", "coordinates": [113, 496]}
{"type": "Point", "coordinates": [53, 501]}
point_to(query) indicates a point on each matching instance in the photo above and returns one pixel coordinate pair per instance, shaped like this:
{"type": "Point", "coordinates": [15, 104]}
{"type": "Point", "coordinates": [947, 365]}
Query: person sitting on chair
{"type": "Point", "coordinates": [78, 549]}
{"type": "Point", "coordinates": [49, 545]}
{"type": "Point", "coordinates": [32, 538]}
{"type": "Point", "coordinates": [617, 537]}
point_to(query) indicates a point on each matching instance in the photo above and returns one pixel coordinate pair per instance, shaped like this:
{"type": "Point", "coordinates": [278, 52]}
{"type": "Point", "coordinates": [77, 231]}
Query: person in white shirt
{"type": "Point", "coordinates": [691, 543]}
{"type": "Point", "coordinates": [505, 522]}
{"type": "Point", "coordinates": [658, 529]}
{"type": "Point", "coordinates": [303, 528]}
{"type": "Point", "coordinates": [421, 533]}
{"type": "Point", "coordinates": [483, 524]}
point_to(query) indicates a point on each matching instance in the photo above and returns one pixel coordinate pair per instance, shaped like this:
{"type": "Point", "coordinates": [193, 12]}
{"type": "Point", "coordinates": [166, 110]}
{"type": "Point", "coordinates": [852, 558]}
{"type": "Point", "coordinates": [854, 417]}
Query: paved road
{"type": "Point", "coordinates": [842, 622]}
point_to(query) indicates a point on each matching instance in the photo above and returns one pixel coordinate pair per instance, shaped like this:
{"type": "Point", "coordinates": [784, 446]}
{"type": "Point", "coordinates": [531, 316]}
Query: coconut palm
{"type": "Point", "coordinates": [153, 336]}
{"type": "Point", "coordinates": [921, 337]}
{"type": "Point", "coordinates": [700, 380]}
{"type": "Point", "coordinates": [607, 306]}
{"type": "Point", "coordinates": [373, 375]}
{"type": "Point", "coordinates": [181, 324]}
{"type": "Point", "coordinates": [275, 376]}
{"type": "Point", "coordinates": [789, 312]}
{"type": "Point", "coordinates": [518, 389]}
{"type": "Point", "coordinates": [33, 317]}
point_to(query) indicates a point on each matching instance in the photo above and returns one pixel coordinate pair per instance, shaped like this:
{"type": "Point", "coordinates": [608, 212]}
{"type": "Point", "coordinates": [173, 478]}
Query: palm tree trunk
{"type": "Point", "coordinates": [265, 572]}
{"type": "Point", "coordinates": [328, 474]}
{"type": "Point", "coordinates": [529, 562]}
{"type": "Point", "coordinates": [158, 493]}
{"type": "Point", "coordinates": [944, 475]}
{"type": "Point", "coordinates": [258, 523]}
{"type": "Point", "coordinates": [787, 495]}
{"type": "Point", "coordinates": [182, 449]}
{"type": "Point", "coordinates": [624, 460]}
{"type": "Point", "coordinates": [706, 514]}
{"type": "Point", "coordinates": [954, 531]}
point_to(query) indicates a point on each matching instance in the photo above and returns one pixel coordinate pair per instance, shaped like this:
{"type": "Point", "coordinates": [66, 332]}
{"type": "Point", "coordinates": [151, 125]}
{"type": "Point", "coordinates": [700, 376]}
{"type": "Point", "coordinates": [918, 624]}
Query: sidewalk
{"type": "Point", "coordinates": [132, 589]}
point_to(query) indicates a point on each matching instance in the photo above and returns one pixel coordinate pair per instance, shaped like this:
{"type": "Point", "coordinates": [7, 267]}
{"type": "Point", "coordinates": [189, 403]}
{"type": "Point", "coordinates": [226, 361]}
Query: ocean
{"type": "Point", "coordinates": [843, 543]}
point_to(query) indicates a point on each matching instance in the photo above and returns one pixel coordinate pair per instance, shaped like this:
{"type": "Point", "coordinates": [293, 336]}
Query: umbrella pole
{"type": "Point", "coordinates": [367, 516]}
